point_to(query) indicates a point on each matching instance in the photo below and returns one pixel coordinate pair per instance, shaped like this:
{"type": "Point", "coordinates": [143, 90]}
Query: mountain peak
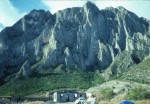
{"type": "Point", "coordinates": [92, 7]}
{"type": "Point", "coordinates": [122, 9]}
{"type": "Point", "coordinates": [39, 12]}
{"type": "Point", "coordinates": [35, 10]}
{"type": "Point", "coordinates": [90, 4]}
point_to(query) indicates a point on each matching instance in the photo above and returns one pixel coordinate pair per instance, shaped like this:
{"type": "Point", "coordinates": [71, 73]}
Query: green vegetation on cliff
{"type": "Point", "coordinates": [139, 72]}
{"type": "Point", "coordinates": [49, 82]}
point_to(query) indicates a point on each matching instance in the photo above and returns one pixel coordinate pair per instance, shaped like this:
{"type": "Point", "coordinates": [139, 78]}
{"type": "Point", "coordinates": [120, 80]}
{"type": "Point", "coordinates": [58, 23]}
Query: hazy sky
{"type": "Point", "coordinates": [12, 10]}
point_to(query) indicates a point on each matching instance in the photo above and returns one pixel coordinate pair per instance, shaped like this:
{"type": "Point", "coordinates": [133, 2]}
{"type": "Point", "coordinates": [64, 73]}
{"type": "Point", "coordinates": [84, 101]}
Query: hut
{"type": "Point", "coordinates": [67, 96]}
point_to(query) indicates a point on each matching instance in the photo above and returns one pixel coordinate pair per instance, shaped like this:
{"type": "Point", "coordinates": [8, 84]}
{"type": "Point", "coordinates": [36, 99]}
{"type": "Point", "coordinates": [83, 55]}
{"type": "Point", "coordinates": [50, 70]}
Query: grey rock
{"type": "Point", "coordinates": [25, 70]}
{"type": "Point", "coordinates": [1, 73]}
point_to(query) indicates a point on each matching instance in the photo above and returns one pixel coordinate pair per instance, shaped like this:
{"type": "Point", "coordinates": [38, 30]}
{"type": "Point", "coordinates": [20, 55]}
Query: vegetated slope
{"type": "Point", "coordinates": [72, 79]}
{"type": "Point", "coordinates": [129, 66]}
{"type": "Point", "coordinates": [139, 73]}
{"type": "Point", "coordinates": [120, 65]}
{"type": "Point", "coordinates": [118, 90]}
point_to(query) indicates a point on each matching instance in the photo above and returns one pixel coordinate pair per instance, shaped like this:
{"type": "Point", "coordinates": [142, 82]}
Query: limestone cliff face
{"type": "Point", "coordinates": [25, 71]}
{"type": "Point", "coordinates": [85, 38]}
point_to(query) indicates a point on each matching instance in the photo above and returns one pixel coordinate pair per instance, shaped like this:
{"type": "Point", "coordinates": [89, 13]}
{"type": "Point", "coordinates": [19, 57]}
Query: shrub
{"type": "Point", "coordinates": [107, 94]}
{"type": "Point", "coordinates": [138, 94]}
{"type": "Point", "coordinates": [137, 56]}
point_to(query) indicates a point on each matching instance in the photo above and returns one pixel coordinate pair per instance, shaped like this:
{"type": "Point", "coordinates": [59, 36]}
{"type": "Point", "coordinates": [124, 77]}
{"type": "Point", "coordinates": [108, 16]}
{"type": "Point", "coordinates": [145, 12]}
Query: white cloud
{"type": "Point", "coordinates": [1, 29]}
{"type": "Point", "coordinates": [139, 7]}
{"type": "Point", "coordinates": [8, 13]}
{"type": "Point", "coordinates": [108, 3]}
{"type": "Point", "coordinates": [56, 5]}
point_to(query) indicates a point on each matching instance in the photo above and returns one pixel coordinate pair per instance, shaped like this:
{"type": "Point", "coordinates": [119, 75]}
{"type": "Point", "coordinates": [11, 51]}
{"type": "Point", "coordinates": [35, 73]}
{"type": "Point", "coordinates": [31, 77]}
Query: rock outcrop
{"type": "Point", "coordinates": [25, 70]}
{"type": "Point", "coordinates": [85, 38]}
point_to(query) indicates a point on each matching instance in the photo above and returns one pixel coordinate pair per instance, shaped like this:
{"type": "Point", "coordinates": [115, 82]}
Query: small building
{"type": "Point", "coordinates": [67, 96]}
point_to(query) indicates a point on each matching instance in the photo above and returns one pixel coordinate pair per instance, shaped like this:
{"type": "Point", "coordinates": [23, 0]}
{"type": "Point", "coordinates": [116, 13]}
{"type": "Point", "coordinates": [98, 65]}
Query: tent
{"type": "Point", "coordinates": [126, 102]}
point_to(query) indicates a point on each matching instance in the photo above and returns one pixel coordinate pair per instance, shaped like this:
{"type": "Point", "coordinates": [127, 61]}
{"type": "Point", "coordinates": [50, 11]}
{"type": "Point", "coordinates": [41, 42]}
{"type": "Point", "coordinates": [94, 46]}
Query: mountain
{"type": "Point", "coordinates": [86, 38]}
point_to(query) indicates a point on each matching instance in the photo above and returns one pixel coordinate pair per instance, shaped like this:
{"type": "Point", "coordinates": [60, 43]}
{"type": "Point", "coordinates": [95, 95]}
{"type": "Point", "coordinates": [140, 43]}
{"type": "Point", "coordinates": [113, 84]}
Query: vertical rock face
{"type": "Point", "coordinates": [1, 73]}
{"type": "Point", "coordinates": [85, 38]}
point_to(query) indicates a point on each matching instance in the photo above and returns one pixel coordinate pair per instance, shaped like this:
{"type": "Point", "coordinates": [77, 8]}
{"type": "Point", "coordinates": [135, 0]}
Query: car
{"type": "Point", "coordinates": [81, 100]}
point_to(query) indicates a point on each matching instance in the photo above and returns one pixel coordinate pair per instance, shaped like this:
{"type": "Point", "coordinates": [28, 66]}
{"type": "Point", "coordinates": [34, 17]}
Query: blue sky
{"type": "Point", "coordinates": [12, 10]}
{"type": "Point", "coordinates": [28, 5]}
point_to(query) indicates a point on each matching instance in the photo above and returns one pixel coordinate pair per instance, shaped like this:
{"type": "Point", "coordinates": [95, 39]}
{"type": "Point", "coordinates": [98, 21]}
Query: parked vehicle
{"type": "Point", "coordinates": [81, 100]}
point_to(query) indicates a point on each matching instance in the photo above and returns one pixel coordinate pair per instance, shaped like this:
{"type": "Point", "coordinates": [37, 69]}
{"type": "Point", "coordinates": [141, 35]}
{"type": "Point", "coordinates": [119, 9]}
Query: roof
{"type": "Point", "coordinates": [67, 91]}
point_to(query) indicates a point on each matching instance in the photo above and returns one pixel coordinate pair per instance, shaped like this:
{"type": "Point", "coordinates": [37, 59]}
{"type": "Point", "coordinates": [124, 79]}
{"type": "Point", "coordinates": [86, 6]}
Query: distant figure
{"type": "Point", "coordinates": [92, 99]}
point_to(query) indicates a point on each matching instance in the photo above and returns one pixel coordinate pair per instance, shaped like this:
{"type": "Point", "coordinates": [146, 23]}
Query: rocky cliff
{"type": "Point", "coordinates": [86, 38]}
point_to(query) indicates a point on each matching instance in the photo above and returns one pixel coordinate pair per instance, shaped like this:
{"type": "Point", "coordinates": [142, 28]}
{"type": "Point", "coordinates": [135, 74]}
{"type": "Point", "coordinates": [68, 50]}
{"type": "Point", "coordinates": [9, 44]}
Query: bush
{"type": "Point", "coordinates": [107, 94]}
{"type": "Point", "coordinates": [137, 56]}
{"type": "Point", "coordinates": [138, 94]}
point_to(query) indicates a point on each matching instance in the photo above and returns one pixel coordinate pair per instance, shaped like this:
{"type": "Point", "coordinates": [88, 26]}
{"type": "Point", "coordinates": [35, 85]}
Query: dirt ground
{"type": "Point", "coordinates": [48, 102]}
{"type": "Point", "coordinates": [102, 102]}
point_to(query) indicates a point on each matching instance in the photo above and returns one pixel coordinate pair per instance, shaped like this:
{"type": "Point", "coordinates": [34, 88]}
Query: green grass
{"type": "Point", "coordinates": [139, 73]}
{"type": "Point", "coordinates": [50, 82]}
{"type": "Point", "coordinates": [138, 94]}
{"type": "Point", "coordinates": [107, 94]}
